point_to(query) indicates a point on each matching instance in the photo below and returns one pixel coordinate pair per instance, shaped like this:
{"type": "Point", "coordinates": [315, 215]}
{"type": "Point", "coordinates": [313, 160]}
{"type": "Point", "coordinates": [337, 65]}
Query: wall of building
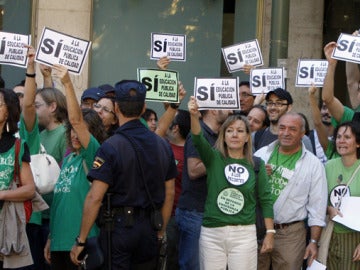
{"type": "Point", "coordinates": [305, 41]}
{"type": "Point", "coordinates": [70, 17]}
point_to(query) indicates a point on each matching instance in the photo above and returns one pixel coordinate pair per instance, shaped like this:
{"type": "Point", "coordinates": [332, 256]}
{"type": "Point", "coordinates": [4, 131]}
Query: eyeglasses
{"type": "Point", "coordinates": [19, 94]}
{"type": "Point", "coordinates": [38, 105]}
{"type": "Point", "coordinates": [98, 107]}
{"type": "Point", "coordinates": [275, 104]}
{"type": "Point", "coordinates": [245, 95]}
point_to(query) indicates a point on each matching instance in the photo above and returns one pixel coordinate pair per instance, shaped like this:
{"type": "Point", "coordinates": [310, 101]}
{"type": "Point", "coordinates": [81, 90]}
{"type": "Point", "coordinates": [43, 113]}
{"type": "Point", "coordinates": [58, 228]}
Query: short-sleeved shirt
{"type": "Point", "coordinates": [69, 196]}
{"type": "Point", "coordinates": [7, 159]}
{"type": "Point", "coordinates": [337, 177]}
{"type": "Point", "coordinates": [116, 164]}
{"type": "Point", "coordinates": [347, 116]}
{"type": "Point", "coordinates": [194, 192]}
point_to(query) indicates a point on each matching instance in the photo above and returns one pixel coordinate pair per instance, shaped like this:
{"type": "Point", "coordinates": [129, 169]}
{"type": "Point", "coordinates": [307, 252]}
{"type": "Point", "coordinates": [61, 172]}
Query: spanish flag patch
{"type": "Point", "coordinates": [98, 162]}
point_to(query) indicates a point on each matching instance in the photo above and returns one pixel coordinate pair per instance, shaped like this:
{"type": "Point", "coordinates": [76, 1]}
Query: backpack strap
{"type": "Point", "coordinates": [16, 165]}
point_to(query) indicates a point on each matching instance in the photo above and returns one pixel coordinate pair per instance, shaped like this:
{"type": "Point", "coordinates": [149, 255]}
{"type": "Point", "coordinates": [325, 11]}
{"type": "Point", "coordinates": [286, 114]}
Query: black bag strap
{"type": "Point", "coordinates": [257, 161]}
{"type": "Point", "coordinates": [136, 150]}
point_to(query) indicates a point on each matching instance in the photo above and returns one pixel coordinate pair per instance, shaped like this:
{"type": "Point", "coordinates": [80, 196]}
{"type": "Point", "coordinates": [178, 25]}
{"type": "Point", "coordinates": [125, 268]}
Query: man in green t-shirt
{"type": "Point", "coordinates": [299, 189]}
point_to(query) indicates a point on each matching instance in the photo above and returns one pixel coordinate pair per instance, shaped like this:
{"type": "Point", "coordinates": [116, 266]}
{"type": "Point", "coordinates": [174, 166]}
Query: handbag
{"type": "Point", "coordinates": [327, 231]}
{"type": "Point", "coordinates": [45, 171]}
{"type": "Point", "coordinates": [92, 257]}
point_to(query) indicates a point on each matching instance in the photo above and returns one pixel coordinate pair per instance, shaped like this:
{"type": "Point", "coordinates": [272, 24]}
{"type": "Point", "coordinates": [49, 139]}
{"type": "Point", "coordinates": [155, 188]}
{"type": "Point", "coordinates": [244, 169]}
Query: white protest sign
{"type": "Point", "coordinates": [171, 45]}
{"type": "Point", "coordinates": [58, 48]}
{"type": "Point", "coordinates": [266, 79]}
{"type": "Point", "coordinates": [348, 48]}
{"type": "Point", "coordinates": [311, 71]}
{"type": "Point", "coordinates": [12, 50]}
{"type": "Point", "coordinates": [236, 56]}
{"type": "Point", "coordinates": [161, 85]}
{"type": "Point", "coordinates": [217, 93]}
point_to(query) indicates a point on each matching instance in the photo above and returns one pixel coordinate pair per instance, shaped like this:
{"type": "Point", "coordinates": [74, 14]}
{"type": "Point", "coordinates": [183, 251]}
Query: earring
{"type": "Point", "coordinates": [7, 127]}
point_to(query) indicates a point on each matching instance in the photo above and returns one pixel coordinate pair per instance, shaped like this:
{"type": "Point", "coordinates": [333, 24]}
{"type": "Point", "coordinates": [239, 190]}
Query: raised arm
{"type": "Point", "coordinates": [316, 116]}
{"type": "Point", "coordinates": [163, 63]}
{"type": "Point", "coordinates": [336, 108]}
{"type": "Point", "coordinates": [74, 112]}
{"type": "Point", "coordinates": [169, 115]}
{"type": "Point", "coordinates": [353, 81]}
{"type": "Point", "coordinates": [47, 79]}
{"type": "Point", "coordinates": [28, 110]}
{"type": "Point", "coordinates": [194, 116]}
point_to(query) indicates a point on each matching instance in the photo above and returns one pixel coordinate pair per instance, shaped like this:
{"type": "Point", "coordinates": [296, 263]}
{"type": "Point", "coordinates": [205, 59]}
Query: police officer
{"type": "Point", "coordinates": [123, 164]}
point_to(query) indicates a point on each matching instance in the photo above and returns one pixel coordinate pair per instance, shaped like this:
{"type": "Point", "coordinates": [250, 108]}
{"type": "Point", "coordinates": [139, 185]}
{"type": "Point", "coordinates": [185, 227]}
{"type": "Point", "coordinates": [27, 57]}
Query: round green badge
{"type": "Point", "coordinates": [230, 201]}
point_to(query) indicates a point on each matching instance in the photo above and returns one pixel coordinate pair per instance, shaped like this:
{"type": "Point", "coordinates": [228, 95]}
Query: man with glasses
{"type": "Point", "coordinates": [246, 98]}
{"type": "Point", "coordinates": [278, 102]}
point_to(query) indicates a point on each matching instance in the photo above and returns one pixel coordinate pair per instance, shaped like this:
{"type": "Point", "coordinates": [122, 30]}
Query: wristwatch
{"type": "Point", "coordinates": [78, 243]}
{"type": "Point", "coordinates": [174, 105]}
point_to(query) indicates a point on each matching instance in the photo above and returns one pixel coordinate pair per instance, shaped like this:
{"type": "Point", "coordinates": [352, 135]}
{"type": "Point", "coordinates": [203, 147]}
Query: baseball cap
{"type": "Point", "coordinates": [130, 90]}
{"type": "Point", "coordinates": [107, 89]}
{"type": "Point", "coordinates": [281, 94]}
{"type": "Point", "coordinates": [94, 93]}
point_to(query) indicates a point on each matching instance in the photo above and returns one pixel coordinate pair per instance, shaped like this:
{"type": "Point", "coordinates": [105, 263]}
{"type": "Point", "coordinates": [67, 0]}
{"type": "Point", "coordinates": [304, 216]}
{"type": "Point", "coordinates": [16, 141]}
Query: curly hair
{"type": "Point", "coordinates": [13, 107]}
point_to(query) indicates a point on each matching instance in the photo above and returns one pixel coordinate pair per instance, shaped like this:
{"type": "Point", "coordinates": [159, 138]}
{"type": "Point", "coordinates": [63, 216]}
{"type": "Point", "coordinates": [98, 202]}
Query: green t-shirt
{"type": "Point", "coordinates": [337, 176]}
{"type": "Point", "coordinates": [7, 165]}
{"type": "Point", "coordinates": [347, 116]}
{"type": "Point", "coordinates": [54, 142]}
{"type": "Point", "coordinates": [231, 188]}
{"type": "Point", "coordinates": [282, 169]}
{"type": "Point", "coordinates": [69, 196]}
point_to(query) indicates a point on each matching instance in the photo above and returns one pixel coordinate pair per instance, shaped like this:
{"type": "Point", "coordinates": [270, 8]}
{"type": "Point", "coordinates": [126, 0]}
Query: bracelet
{"type": "Point", "coordinates": [270, 231]}
{"type": "Point", "coordinates": [78, 243]}
{"type": "Point", "coordinates": [30, 75]}
{"type": "Point", "coordinates": [175, 105]}
{"type": "Point", "coordinates": [313, 241]}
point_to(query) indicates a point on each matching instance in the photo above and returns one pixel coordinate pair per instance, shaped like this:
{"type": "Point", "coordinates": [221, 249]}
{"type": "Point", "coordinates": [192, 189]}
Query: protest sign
{"type": "Point", "coordinates": [161, 85]}
{"type": "Point", "coordinates": [311, 71]}
{"type": "Point", "coordinates": [217, 93]}
{"type": "Point", "coordinates": [12, 49]}
{"type": "Point", "coordinates": [266, 79]}
{"type": "Point", "coordinates": [58, 48]}
{"type": "Point", "coordinates": [236, 56]}
{"type": "Point", "coordinates": [171, 45]}
{"type": "Point", "coordinates": [348, 48]}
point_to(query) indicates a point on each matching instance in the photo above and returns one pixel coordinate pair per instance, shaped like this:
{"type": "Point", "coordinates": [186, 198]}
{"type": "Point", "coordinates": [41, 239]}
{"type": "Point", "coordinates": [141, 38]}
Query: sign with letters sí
{"type": "Point", "coordinates": [171, 45]}
{"type": "Point", "coordinates": [58, 48]}
{"type": "Point", "coordinates": [236, 56]}
{"type": "Point", "coordinates": [311, 71]}
{"type": "Point", "coordinates": [217, 93]}
{"type": "Point", "coordinates": [12, 49]}
{"type": "Point", "coordinates": [264, 80]}
{"type": "Point", "coordinates": [348, 48]}
{"type": "Point", "coordinates": [161, 85]}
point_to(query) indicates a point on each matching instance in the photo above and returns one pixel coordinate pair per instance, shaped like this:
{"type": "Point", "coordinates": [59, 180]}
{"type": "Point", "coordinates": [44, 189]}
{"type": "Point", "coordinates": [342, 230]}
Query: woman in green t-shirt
{"type": "Point", "coordinates": [344, 248]}
{"type": "Point", "coordinates": [84, 133]}
{"type": "Point", "coordinates": [228, 232]}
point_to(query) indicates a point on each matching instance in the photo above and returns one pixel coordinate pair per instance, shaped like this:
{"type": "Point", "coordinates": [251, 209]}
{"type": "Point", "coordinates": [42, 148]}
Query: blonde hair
{"type": "Point", "coordinates": [220, 144]}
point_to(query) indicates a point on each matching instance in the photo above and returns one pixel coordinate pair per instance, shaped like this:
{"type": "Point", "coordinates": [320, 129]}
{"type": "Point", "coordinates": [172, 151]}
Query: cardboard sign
{"type": "Point", "coordinates": [236, 56]}
{"type": "Point", "coordinates": [311, 71]}
{"type": "Point", "coordinates": [348, 48]}
{"type": "Point", "coordinates": [171, 45]}
{"type": "Point", "coordinates": [58, 48]}
{"type": "Point", "coordinates": [12, 50]}
{"type": "Point", "coordinates": [161, 85]}
{"type": "Point", "coordinates": [217, 93]}
{"type": "Point", "coordinates": [266, 79]}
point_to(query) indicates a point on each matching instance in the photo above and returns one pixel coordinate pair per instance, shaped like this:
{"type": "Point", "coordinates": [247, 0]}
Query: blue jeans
{"type": "Point", "coordinates": [189, 224]}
